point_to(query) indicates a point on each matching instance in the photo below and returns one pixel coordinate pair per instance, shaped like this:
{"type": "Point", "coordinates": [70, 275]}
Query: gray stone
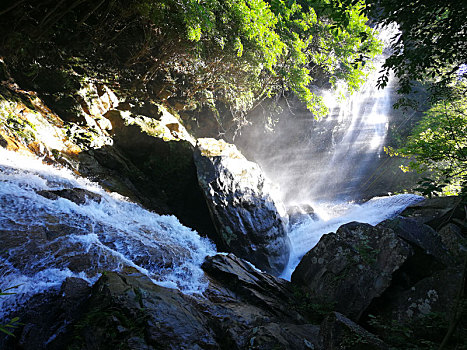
{"type": "Point", "coordinates": [75, 195]}
{"type": "Point", "coordinates": [242, 207]}
{"type": "Point", "coordinates": [422, 237]}
{"type": "Point", "coordinates": [352, 266]}
{"type": "Point", "coordinates": [433, 211]}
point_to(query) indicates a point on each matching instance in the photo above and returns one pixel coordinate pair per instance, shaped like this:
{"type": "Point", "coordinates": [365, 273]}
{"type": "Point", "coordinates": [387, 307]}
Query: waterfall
{"type": "Point", "coordinates": [323, 167]}
{"type": "Point", "coordinates": [47, 240]}
{"type": "Point", "coordinates": [332, 159]}
{"type": "Point", "coordinates": [357, 128]}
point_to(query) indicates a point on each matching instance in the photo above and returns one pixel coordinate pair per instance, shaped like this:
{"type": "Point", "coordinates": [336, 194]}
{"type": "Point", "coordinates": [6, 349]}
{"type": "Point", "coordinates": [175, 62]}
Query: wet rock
{"type": "Point", "coordinates": [243, 308]}
{"type": "Point", "coordinates": [250, 309]}
{"type": "Point", "coordinates": [246, 216]}
{"type": "Point", "coordinates": [151, 162]}
{"type": "Point", "coordinates": [76, 195]}
{"type": "Point", "coordinates": [124, 310]}
{"type": "Point", "coordinates": [46, 317]}
{"type": "Point", "coordinates": [251, 285]}
{"type": "Point", "coordinates": [352, 266]}
{"type": "Point", "coordinates": [299, 213]}
{"type": "Point", "coordinates": [340, 333]}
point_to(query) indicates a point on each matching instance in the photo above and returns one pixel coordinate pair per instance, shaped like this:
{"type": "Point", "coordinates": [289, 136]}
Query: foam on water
{"type": "Point", "coordinates": [45, 241]}
{"type": "Point", "coordinates": [305, 234]}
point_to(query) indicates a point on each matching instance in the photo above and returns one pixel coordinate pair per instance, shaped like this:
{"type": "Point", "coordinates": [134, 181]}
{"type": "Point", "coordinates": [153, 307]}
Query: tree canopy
{"type": "Point", "coordinates": [431, 42]}
{"type": "Point", "coordinates": [431, 49]}
{"type": "Point", "coordinates": [202, 51]}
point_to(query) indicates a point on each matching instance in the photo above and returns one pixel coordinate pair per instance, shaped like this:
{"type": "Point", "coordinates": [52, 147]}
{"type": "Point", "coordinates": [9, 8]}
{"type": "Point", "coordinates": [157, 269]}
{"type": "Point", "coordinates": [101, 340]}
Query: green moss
{"type": "Point", "coordinates": [313, 308]}
{"type": "Point", "coordinates": [111, 325]}
{"type": "Point", "coordinates": [20, 128]}
{"type": "Point", "coordinates": [425, 332]}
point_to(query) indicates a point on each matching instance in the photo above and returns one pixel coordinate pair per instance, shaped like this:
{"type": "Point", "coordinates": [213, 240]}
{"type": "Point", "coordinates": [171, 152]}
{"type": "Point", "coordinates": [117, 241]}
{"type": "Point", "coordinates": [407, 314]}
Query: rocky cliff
{"type": "Point", "coordinates": [399, 284]}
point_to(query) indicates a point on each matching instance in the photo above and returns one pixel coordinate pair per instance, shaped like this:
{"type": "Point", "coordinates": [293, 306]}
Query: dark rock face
{"type": "Point", "coordinates": [423, 237]}
{"type": "Point", "coordinates": [151, 162]}
{"type": "Point", "coordinates": [45, 317]}
{"type": "Point", "coordinates": [340, 333]}
{"type": "Point", "coordinates": [129, 311]}
{"type": "Point", "coordinates": [241, 205]}
{"type": "Point", "coordinates": [434, 211]}
{"type": "Point", "coordinates": [254, 310]}
{"type": "Point", "coordinates": [403, 275]}
{"type": "Point", "coordinates": [352, 266]}
{"type": "Point", "coordinates": [253, 286]}
{"type": "Point", "coordinates": [242, 309]}
{"type": "Point", "coordinates": [433, 294]}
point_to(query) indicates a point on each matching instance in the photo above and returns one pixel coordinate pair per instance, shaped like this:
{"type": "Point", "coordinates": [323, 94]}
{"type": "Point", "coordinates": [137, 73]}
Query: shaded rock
{"type": "Point", "coordinates": [251, 285]}
{"type": "Point", "coordinates": [352, 266]}
{"type": "Point", "coordinates": [250, 309]}
{"type": "Point", "coordinates": [151, 162]}
{"type": "Point", "coordinates": [434, 294]}
{"type": "Point", "coordinates": [340, 333]}
{"type": "Point", "coordinates": [125, 311]}
{"type": "Point", "coordinates": [128, 311]}
{"type": "Point", "coordinates": [76, 195]}
{"type": "Point", "coordinates": [299, 213]}
{"type": "Point", "coordinates": [434, 211]}
{"type": "Point", "coordinates": [284, 336]}
{"type": "Point", "coordinates": [46, 317]}
{"type": "Point", "coordinates": [240, 201]}
{"type": "Point", "coordinates": [422, 237]}
{"type": "Point", "coordinates": [454, 241]}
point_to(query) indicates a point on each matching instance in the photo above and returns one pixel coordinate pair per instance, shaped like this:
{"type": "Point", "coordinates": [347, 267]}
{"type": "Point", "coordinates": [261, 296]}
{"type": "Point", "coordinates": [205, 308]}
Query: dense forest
{"type": "Point", "coordinates": [230, 55]}
{"type": "Point", "coordinates": [125, 85]}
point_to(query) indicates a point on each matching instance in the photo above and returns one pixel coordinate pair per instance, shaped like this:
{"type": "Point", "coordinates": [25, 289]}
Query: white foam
{"type": "Point", "coordinates": [105, 235]}
{"type": "Point", "coordinates": [306, 234]}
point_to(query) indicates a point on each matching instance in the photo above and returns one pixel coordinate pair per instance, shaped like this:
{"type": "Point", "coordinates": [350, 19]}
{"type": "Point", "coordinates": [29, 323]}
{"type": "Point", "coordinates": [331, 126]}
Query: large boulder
{"type": "Point", "coordinates": [435, 212]}
{"type": "Point", "coordinates": [151, 162]}
{"type": "Point", "coordinates": [251, 309]}
{"type": "Point", "coordinates": [128, 311]}
{"type": "Point", "coordinates": [352, 266]}
{"type": "Point", "coordinates": [245, 214]}
{"type": "Point", "coordinates": [423, 238]}
{"type": "Point", "coordinates": [251, 285]}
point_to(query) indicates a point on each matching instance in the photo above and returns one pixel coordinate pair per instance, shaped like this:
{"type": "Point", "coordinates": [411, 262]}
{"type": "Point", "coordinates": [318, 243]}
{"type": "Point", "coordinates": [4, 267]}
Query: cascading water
{"type": "Point", "coordinates": [306, 232]}
{"type": "Point", "coordinates": [45, 241]}
{"type": "Point", "coordinates": [324, 166]}
{"type": "Point", "coordinates": [332, 159]}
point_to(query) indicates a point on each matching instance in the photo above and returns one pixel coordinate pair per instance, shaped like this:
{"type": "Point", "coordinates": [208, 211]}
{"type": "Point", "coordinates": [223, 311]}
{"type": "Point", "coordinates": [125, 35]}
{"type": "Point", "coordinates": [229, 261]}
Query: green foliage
{"type": "Point", "coordinates": [244, 50]}
{"type": "Point", "coordinates": [439, 143]}
{"type": "Point", "coordinates": [431, 42]}
{"type": "Point", "coordinates": [8, 328]}
{"type": "Point", "coordinates": [430, 49]}
{"type": "Point", "coordinates": [199, 52]}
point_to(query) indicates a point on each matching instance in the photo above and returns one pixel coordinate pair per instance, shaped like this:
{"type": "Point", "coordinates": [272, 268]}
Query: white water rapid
{"type": "Point", "coordinates": [44, 241]}
{"type": "Point", "coordinates": [306, 232]}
